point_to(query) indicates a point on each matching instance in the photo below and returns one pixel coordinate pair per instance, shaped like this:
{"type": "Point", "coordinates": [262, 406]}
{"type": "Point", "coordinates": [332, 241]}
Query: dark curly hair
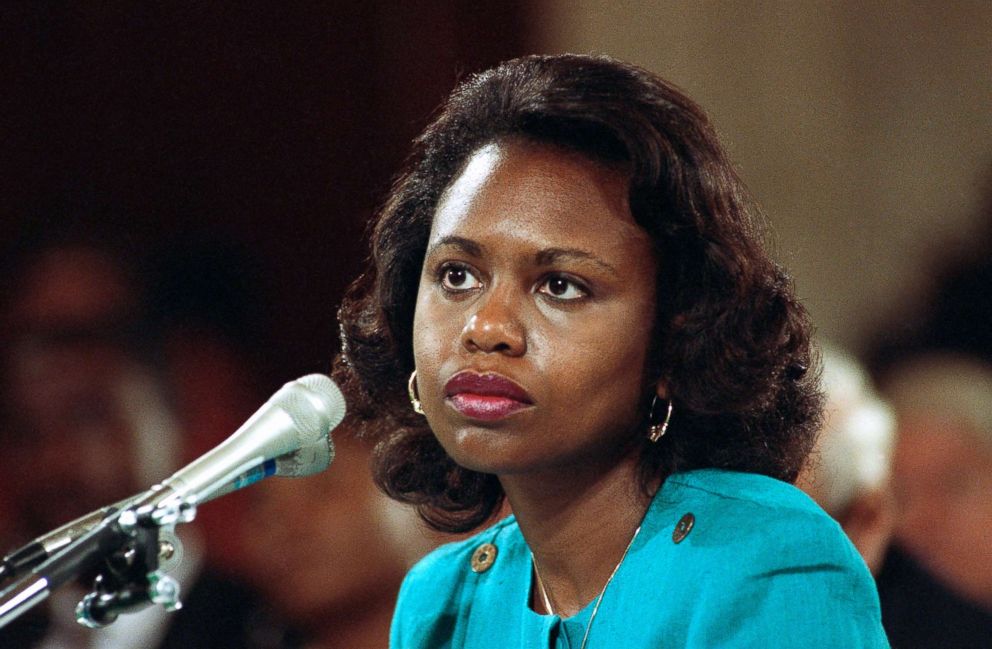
{"type": "Point", "coordinates": [731, 339]}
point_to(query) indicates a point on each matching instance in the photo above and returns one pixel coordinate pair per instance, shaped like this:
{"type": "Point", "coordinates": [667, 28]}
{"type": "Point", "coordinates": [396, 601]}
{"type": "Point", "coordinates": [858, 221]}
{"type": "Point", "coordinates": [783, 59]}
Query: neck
{"type": "Point", "coordinates": [578, 526]}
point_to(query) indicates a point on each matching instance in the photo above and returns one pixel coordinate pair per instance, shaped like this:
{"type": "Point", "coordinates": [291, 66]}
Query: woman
{"type": "Point", "coordinates": [569, 308]}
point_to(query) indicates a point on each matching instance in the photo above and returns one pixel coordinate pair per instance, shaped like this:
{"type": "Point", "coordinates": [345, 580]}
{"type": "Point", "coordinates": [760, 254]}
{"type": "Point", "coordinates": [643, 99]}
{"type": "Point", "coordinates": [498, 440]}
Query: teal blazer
{"type": "Point", "coordinates": [757, 564]}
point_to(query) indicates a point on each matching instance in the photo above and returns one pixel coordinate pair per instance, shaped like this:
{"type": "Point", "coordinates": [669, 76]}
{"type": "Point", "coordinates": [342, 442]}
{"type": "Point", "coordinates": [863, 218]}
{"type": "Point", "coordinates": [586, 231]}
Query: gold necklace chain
{"type": "Point", "coordinates": [599, 600]}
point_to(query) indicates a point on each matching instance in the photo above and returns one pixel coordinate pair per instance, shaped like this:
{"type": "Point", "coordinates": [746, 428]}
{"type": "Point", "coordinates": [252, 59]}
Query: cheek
{"type": "Point", "coordinates": [424, 338]}
{"type": "Point", "coordinates": [601, 365]}
{"type": "Point", "coordinates": [435, 330]}
{"type": "Point", "coordinates": [615, 382]}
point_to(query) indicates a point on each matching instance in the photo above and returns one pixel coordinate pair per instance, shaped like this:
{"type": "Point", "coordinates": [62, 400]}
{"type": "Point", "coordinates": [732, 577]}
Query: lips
{"type": "Point", "coordinates": [487, 396]}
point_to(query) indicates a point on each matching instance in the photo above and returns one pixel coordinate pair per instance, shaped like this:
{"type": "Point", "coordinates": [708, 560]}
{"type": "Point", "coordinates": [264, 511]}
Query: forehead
{"type": "Point", "coordinates": [539, 196]}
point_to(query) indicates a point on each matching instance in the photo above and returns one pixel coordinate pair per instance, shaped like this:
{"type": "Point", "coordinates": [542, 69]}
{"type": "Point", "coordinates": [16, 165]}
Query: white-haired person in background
{"type": "Point", "coordinates": [848, 473]}
{"type": "Point", "coordinates": [942, 479]}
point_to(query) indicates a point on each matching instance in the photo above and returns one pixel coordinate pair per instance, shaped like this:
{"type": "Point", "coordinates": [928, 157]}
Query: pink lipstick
{"type": "Point", "coordinates": [485, 396]}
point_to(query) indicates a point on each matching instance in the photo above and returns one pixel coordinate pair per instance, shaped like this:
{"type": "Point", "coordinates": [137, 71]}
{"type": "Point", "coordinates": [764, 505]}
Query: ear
{"type": "Point", "coordinates": [661, 388]}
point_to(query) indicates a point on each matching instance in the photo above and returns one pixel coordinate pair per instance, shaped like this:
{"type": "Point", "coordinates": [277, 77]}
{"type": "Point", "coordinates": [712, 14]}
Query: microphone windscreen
{"type": "Point", "coordinates": [316, 405]}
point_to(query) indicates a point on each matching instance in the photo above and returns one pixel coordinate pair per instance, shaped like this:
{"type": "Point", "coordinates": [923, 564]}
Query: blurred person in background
{"type": "Point", "coordinates": [89, 420]}
{"type": "Point", "coordinates": [848, 473]}
{"type": "Point", "coordinates": [330, 552]}
{"type": "Point", "coordinates": [936, 585]}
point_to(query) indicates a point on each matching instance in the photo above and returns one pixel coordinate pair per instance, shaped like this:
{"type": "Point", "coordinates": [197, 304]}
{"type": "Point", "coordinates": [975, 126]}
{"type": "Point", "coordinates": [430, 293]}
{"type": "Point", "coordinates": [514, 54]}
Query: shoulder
{"type": "Point", "coordinates": [762, 552]}
{"type": "Point", "coordinates": [435, 593]}
{"type": "Point", "coordinates": [452, 562]}
{"type": "Point", "coordinates": [756, 513]}
{"type": "Point", "coordinates": [719, 486]}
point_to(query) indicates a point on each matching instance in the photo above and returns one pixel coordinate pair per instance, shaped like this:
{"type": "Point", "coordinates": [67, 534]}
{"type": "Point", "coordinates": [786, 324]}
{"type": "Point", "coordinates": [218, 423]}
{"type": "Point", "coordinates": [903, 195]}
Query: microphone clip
{"type": "Point", "coordinates": [125, 551]}
{"type": "Point", "coordinates": [131, 578]}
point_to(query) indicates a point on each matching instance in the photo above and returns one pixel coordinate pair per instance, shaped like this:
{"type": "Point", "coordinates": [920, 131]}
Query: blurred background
{"type": "Point", "coordinates": [207, 171]}
{"type": "Point", "coordinates": [862, 128]}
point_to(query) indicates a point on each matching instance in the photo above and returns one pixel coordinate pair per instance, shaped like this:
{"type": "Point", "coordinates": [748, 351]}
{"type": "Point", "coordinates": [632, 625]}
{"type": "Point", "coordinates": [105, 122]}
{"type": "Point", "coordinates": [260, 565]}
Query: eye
{"type": "Point", "coordinates": [457, 277]}
{"type": "Point", "coordinates": [562, 288]}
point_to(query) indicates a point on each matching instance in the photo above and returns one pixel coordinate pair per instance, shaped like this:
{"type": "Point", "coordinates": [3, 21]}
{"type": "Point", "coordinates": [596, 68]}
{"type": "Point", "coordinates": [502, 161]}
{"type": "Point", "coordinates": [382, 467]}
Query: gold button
{"type": "Point", "coordinates": [483, 557]}
{"type": "Point", "coordinates": [683, 527]}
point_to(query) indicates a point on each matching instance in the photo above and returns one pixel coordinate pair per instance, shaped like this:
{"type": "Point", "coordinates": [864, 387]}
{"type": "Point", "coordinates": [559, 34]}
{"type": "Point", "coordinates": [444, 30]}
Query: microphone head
{"type": "Point", "coordinates": [288, 436]}
{"type": "Point", "coordinates": [316, 407]}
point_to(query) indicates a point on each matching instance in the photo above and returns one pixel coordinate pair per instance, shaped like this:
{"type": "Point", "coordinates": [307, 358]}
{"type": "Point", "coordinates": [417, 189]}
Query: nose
{"type": "Point", "coordinates": [495, 326]}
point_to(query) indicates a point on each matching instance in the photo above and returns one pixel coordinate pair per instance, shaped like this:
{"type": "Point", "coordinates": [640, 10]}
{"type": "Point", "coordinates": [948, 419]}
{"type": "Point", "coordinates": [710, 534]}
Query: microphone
{"type": "Point", "coordinates": [288, 436]}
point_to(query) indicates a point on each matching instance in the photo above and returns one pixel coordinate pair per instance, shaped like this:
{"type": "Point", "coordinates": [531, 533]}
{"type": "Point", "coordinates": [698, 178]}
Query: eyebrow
{"type": "Point", "coordinates": [546, 257]}
{"type": "Point", "coordinates": [549, 256]}
{"type": "Point", "coordinates": [467, 246]}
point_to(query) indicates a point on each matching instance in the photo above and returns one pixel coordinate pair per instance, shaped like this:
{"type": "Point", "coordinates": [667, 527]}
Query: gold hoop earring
{"type": "Point", "coordinates": [657, 431]}
{"type": "Point", "coordinates": [411, 389]}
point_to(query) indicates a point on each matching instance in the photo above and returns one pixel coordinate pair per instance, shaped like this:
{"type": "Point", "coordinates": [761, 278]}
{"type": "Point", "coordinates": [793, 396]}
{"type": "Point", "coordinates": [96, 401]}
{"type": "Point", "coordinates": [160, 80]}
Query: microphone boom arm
{"type": "Point", "coordinates": [128, 543]}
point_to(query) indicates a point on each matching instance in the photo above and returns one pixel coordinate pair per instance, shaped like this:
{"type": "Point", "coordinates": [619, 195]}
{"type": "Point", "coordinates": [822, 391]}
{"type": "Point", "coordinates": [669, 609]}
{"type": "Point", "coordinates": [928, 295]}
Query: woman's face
{"type": "Point", "coordinates": [534, 312]}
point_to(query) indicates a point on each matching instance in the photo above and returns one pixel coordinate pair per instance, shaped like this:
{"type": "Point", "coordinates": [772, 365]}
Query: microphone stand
{"type": "Point", "coordinates": [125, 547]}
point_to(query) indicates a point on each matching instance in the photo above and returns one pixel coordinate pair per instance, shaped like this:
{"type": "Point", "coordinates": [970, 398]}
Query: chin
{"type": "Point", "coordinates": [487, 451]}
